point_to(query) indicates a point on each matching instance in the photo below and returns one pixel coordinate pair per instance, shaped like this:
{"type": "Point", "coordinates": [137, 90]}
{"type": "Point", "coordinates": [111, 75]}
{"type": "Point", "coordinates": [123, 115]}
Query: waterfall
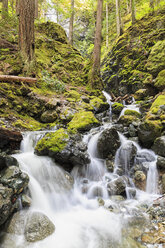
{"type": "Point", "coordinates": [72, 201]}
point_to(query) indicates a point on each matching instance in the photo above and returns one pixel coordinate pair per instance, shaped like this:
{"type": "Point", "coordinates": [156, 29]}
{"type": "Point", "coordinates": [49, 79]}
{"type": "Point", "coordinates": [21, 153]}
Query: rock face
{"type": "Point", "coordinates": [159, 146]}
{"type": "Point", "coordinates": [68, 150]}
{"type": "Point", "coordinates": [6, 161]}
{"type": "Point", "coordinates": [108, 142]}
{"type": "Point", "coordinates": [10, 140]}
{"type": "Point", "coordinates": [117, 186]}
{"type": "Point", "coordinates": [5, 203]}
{"type": "Point", "coordinates": [38, 227]}
{"type": "Point", "coordinates": [49, 116]}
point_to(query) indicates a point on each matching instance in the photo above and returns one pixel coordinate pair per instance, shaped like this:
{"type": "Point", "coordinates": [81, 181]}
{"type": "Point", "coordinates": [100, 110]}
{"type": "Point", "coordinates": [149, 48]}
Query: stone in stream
{"type": "Point", "coordinates": [117, 186]}
{"type": "Point", "coordinates": [5, 203]}
{"type": "Point", "coordinates": [6, 161]}
{"type": "Point", "coordinates": [140, 180]}
{"type": "Point", "coordinates": [161, 163]}
{"type": "Point", "coordinates": [108, 142]}
{"type": "Point", "coordinates": [38, 226]}
{"type": "Point", "coordinates": [159, 146]}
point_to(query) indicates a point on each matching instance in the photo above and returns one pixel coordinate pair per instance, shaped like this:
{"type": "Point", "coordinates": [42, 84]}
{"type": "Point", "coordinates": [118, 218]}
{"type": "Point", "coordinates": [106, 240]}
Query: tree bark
{"type": "Point", "coordinates": [71, 23]}
{"type": "Point", "coordinates": [133, 11]}
{"type": "Point", "coordinates": [36, 9]}
{"type": "Point", "coordinates": [4, 8]}
{"type": "Point", "coordinates": [107, 26]}
{"type": "Point", "coordinates": [26, 28]}
{"type": "Point", "coordinates": [6, 78]}
{"type": "Point", "coordinates": [95, 77]}
{"type": "Point", "coordinates": [17, 7]}
{"type": "Point", "coordinates": [118, 19]}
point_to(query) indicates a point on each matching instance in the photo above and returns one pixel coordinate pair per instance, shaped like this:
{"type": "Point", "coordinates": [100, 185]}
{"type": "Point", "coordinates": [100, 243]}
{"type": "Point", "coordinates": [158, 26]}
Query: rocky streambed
{"type": "Point", "coordinates": [97, 188]}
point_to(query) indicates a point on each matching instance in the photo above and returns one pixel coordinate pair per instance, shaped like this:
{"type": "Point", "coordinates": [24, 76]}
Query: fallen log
{"type": "Point", "coordinates": [8, 78]}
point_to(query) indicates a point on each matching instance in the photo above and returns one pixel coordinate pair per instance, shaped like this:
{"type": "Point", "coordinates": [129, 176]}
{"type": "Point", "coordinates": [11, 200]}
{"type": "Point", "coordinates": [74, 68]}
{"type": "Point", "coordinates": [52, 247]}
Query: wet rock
{"type": "Point", "coordinates": [108, 142]}
{"type": "Point", "coordinates": [131, 193]}
{"type": "Point", "coordinates": [117, 187]}
{"type": "Point", "coordinates": [99, 105]}
{"type": "Point", "coordinates": [14, 178]}
{"type": "Point", "coordinates": [5, 203]}
{"type": "Point", "coordinates": [10, 140]}
{"type": "Point", "coordinates": [68, 150]}
{"type": "Point", "coordinates": [117, 198]}
{"type": "Point", "coordinates": [148, 131]}
{"type": "Point", "coordinates": [85, 99]}
{"type": "Point", "coordinates": [161, 163]}
{"type": "Point", "coordinates": [140, 180]}
{"type": "Point", "coordinates": [132, 131]}
{"type": "Point", "coordinates": [38, 227]}
{"type": "Point", "coordinates": [117, 108]}
{"type": "Point", "coordinates": [110, 166]}
{"type": "Point", "coordinates": [131, 243]}
{"type": "Point", "coordinates": [159, 146]}
{"type": "Point", "coordinates": [144, 156]}
{"type": "Point", "coordinates": [17, 223]}
{"type": "Point", "coordinates": [6, 161]}
{"type": "Point", "coordinates": [26, 201]}
{"type": "Point", "coordinates": [49, 116]}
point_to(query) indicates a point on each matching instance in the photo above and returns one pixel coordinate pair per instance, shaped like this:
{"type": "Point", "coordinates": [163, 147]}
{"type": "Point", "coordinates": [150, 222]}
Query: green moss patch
{"type": "Point", "coordinates": [54, 142]}
{"type": "Point", "coordinates": [117, 107]}
{"type": "Point", "coordinates": [160, 100]}
{"type": "Point", "coordinates": [82, 121]}
{"type": "Point", "coordinates": [132, 113]}
{"type": "Point", "coordinates": [160, 80]}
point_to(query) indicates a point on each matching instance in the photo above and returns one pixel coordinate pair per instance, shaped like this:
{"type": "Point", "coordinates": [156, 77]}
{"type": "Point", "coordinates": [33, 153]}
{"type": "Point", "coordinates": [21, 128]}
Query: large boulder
{"type": "Point", "coordinates": [161, 163]}
{"type": "Point", "coordinates": [159, 146]}
{"type": "Point", "coordinates": [10, 140]}
{"type": "Point", "coordinates": [140, 180]}
{"type": "Point", "coordinates": [99, 105]}
{"type": "Point", "coordinates": [148, 131]}
{"type": "Point", "coordinates": [6, 161]}
{"type": "Point", "coordinates": [38, 227]}
{"type": "Point", "coordinates": [49, 116]}
{"type": "Point", "coordinates": [117, 186]}
{"type": "Point", "coordinates": [14, 178]}
{"type": "Point", "coordinates": [66, 149]}
{"type": "Point", "coordinates": [108, 142]}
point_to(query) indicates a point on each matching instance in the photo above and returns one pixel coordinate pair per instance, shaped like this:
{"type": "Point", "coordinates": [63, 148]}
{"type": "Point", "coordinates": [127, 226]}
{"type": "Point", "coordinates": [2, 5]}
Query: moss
{"type": "Point", "coordinates": [160, 100]}
{"type": "Point", "coordinates": [156, 60]}
{"type": "Point", "coordinates": [160, 80]}
{"type": "Point", "coordinates": [54, 142]}
{"type": "Point", "coordinates": [126, 120]}
{"type": "Point", "coordinates": [117, 107]}
{"type": "Point", "coordinates": [82, 121]}
{"type": "Point", "coordinates": [140, 94]}
{"type": "Point", "coordinates": [72, 94]}
{"type": "Point", "coordinates": [28, 123]}
{"type": "Point", "coordinates": [98, 104]}
{"type": "Point", "coordinates": [132, 113]}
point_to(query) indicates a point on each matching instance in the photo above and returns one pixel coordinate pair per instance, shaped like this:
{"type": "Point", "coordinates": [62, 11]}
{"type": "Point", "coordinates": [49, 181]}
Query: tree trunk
{"type": "Point", "coordinates": [95, 77]}
{"type": "Point", "coordinates": [71, 23]}
{"type": "Point", "coordinates": [16, 79]}
{"type": "Point", "coordinates": [17, 7]}
{"type": "Point", "coordinates": [133, 11]}
{"type": "Point", "coordinates": [4, 8]}
{"type": "Point", "coordinates": [36, 9]}
{"type": "Point", "coordinates": [107, 26]}
{"type": "Point", "coordinates": [26, 28]}
{"type": "Point", "coordinates": [118, 19]}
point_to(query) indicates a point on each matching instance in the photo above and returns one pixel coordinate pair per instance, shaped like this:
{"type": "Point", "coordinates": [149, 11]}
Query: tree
{"type": "Point", "coordinates": [17, 7]}
{"type": "Point", "coordinates": [71, 23]}
{"type": "Point", "coordinates": [133, 11]}
{"type": "Point", "coordinates": [26, 28]}
{"type": "Point", "coordinates": [4, 8]}
{"type": "Point", "coordinates": [94, 75]}
{"type": "Point", "coordinates": [118, 19]}
{"type": "Point", "coordinates": [36, 9]}
{"type": "Point", "coordinates": [107, 26]}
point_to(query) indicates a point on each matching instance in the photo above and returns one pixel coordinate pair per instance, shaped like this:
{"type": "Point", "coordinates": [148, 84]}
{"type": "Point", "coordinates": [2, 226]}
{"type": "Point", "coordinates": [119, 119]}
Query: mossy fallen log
{"type": "Point", "coordinates": [16, 79]}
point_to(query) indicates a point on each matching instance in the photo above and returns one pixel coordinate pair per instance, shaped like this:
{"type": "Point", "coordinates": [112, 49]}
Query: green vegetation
{"type": "Point", "coordinates": [132, 113]}
{"type": "Point", "coordinates": [55, 141]}
{"type": "Point", "coordinates": [82, 121]}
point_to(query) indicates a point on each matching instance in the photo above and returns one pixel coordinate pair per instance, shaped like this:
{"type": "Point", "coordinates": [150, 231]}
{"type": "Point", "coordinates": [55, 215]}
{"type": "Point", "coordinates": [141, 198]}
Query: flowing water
{"type": "Point", "coordinates": [73, 203]}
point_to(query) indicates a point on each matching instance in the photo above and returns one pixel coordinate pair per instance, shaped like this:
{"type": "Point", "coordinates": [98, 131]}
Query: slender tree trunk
{"type": "Point", "coordinates": [26, 28]}
{"type": "Point", "coordinates": [95, 77]}
{"type": "Point", "coordinates": [71, 23]}
{"type": "Point", "coordinates": [4, 8]}
{"type": "Point", "coordinates": [36, 9]}
{"type": "Point", "coordinates": [118, 19]}
{"type": "Point", "coordinates": [107, 26]}
{"type": "Point", "coordinates": [133, 11]}
{"type": "Point", "coordinates": [17, 7]}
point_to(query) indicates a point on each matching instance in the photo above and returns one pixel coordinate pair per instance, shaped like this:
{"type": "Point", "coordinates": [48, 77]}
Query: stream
{"type": "Point", "coordinates": [75, 203]}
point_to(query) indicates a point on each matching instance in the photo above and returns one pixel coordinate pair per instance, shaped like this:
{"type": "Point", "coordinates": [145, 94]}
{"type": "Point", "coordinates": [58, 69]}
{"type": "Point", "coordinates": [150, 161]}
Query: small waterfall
{"type": "Point", "coordinates": [109, 98]}
{"type": "Point", "coordinates": [152, 179]}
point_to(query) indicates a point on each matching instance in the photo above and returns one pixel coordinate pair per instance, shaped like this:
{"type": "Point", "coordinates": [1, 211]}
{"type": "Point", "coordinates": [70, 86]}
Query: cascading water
{"type": "Point", "coordinates": [72, 203]}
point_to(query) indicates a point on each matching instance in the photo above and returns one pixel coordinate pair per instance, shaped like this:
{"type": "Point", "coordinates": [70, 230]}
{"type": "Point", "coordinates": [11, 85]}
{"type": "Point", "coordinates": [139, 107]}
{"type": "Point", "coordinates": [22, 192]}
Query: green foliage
{"type": "Point", "coordinates": [52, 83]}
{"type": "Point", "coordinates": [160, 80]}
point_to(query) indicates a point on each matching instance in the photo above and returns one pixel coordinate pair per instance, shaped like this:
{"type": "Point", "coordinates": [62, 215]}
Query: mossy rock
{"type": "Point", "coordinates": [126, 120]}
{"type": "Point", "coordinates": [160, 100]}
{"type": "Point", "coordinates": [140, 94]}
{"type": "Point", "coordinates": [72, 94]}
{"type": "Point", "coordinates": [132, 113]}
{"type": "Point", "coordinates": [148, 131]}
{"type": "Point", "coordinates": [49, 116]}
{"type": "Point", "coordinates": [99, 105]}
{"type": "Point", "coordinates": [160, 80]}
{"type": "Point", "coordinates": [156, 59]}
{"type": "Point", "coordinates": [117, 108]}
{"type": "Point", "coordinates": [82, 121]}
{"type": "Point", "coordinates": [55, 142]}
